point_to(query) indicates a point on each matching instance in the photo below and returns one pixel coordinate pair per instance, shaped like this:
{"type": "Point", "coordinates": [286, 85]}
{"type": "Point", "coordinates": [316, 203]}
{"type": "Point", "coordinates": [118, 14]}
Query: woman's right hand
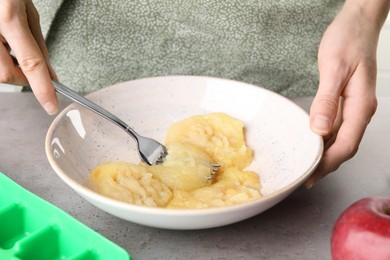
{"type": "Point", "coordinates": [20, 32]}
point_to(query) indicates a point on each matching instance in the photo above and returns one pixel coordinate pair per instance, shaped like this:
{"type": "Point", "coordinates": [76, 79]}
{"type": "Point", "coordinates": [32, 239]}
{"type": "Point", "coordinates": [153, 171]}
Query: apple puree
{"type": "Point", "coordinates": [181, 181]}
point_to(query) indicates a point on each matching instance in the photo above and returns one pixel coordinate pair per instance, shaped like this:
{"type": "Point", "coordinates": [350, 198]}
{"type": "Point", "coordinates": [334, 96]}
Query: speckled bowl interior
{"type": "Point", "coordinates": [286, 150]}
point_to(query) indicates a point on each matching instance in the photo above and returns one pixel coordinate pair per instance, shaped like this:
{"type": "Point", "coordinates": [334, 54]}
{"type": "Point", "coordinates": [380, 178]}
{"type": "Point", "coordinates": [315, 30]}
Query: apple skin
{"type": "Point", "coordinates": [363, 231]}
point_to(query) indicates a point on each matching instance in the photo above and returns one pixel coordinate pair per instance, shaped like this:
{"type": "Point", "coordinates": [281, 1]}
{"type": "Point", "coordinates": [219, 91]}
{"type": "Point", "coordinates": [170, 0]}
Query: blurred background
{"type": "Point", "coordinates": [383, 78]}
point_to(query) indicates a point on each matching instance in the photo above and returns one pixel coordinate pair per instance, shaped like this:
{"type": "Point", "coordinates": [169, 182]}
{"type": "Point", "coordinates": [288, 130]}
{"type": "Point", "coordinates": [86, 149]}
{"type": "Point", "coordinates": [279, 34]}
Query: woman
{"type": "Point", "coordinates": [268, 43]}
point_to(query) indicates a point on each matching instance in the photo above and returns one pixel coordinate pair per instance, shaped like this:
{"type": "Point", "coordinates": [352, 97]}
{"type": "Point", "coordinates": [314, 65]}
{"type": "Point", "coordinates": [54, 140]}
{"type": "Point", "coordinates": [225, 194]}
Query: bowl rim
{"type": "Point", "coordinates": [87, 192]}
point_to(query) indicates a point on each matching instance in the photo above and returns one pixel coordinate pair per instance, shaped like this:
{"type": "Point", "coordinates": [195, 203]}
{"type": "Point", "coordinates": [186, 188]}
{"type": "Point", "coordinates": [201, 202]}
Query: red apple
{"type": "Point", "coordinates": [363, 231]}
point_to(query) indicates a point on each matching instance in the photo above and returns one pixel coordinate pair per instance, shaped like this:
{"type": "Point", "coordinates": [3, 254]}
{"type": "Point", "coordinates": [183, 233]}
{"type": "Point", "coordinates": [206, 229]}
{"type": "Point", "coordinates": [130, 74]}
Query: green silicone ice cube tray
{"type": "Point", "coordinates": [32, 228]}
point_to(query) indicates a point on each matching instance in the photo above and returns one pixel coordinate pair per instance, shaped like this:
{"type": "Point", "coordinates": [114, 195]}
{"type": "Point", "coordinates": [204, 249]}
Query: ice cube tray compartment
{"type": "Point", "coordinates": [14, 226]}
{"type": "Point", "coordinates": [31, 228]}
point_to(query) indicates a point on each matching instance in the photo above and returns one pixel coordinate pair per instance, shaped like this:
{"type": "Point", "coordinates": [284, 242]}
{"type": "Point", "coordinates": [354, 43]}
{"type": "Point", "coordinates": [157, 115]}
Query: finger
{"type": "Point", "coordinates": [9, 72]}
{"type": "Point", "coordinates": [330, 162]}
{"type": "Point", "coordinates": [34, 24]}
{"type": "Point", "coordinates": [31, 60]}
{"type": "Point", "coordinates": [5, 43]}
{"type": "Point", "coordinates": [333, 77]}
{"type": "Point", "coordinates": [344, 148]}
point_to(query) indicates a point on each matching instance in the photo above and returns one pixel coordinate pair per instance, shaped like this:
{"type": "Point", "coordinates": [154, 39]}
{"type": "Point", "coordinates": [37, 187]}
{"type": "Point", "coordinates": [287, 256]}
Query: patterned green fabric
{"type": "Point", "coordinates": [268, 43]}
{"type": "Point", "coordinates": [47, 11]}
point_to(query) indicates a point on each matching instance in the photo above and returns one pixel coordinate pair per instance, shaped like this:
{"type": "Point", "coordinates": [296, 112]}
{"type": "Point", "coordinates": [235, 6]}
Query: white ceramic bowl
{"type": "Point", "coordinates": [286, 150]}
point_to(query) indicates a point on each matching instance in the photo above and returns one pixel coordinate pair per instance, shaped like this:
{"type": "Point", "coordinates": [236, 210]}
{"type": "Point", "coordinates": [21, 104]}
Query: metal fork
{"type": "Point", "coordinates": [150, 151]}
{"type": "Point", "coordinates": [214, 170]}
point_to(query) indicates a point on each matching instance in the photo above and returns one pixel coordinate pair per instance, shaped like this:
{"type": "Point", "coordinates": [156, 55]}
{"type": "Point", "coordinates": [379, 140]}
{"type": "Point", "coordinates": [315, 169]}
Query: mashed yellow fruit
{"type": "Point", "coordinates": [218, 134]}
{"type": "Point", "coordinates": [231, 187]}
{"type": "Point", "coordinates": [182, 181]}
{"type": "Point", "coordinates": [186, 167]}
{"type": "Point", "coordinates": [131, 183]}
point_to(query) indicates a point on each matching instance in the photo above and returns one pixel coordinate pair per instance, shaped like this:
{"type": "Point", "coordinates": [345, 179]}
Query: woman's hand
{"type": "Point", "coordinates": [346, 99]}
{"type": "Point", "coordinates": [20, 32]}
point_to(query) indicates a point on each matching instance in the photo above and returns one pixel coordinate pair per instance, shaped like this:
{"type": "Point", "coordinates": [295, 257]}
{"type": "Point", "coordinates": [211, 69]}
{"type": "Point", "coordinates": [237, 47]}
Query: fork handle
{"type": "Point", "coordinates": [60, 88]}
{"type": "Point", "coordinates": [67, 92]}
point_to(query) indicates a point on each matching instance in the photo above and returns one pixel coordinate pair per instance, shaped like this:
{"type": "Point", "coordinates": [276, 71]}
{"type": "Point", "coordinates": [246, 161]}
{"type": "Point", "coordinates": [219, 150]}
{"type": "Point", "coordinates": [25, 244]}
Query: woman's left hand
{"type": "Point", "coordinates": [346, 100]}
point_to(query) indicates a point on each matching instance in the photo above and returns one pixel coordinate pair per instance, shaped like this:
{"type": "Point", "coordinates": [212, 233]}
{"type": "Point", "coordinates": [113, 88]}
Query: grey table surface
{"type": "Point", "coordinates": [297, 228]}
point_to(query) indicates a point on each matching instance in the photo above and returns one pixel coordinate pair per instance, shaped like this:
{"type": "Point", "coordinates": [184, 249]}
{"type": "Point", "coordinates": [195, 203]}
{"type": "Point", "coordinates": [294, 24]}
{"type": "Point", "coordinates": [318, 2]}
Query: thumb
{"type": "Point", "coordinates": [323, 111]}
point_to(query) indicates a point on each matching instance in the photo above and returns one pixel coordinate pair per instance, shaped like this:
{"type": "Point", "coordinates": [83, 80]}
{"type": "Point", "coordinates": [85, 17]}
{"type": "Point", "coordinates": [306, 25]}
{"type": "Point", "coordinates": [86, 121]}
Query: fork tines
{"type": "Point", "coordinates": [213, 171]}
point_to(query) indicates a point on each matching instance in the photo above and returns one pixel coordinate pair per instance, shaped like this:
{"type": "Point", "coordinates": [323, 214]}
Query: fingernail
{"type": "Point", "coordinates": [50, 108]}
{"type": "Point", "coordinates": [321, 124]}
{"type": "Point", "coordinates": [309, 184]}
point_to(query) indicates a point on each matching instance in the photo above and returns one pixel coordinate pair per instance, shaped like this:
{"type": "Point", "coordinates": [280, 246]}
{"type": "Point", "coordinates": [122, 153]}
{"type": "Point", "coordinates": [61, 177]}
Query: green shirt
{"type": "Point", "coordinates": [269, 43]}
